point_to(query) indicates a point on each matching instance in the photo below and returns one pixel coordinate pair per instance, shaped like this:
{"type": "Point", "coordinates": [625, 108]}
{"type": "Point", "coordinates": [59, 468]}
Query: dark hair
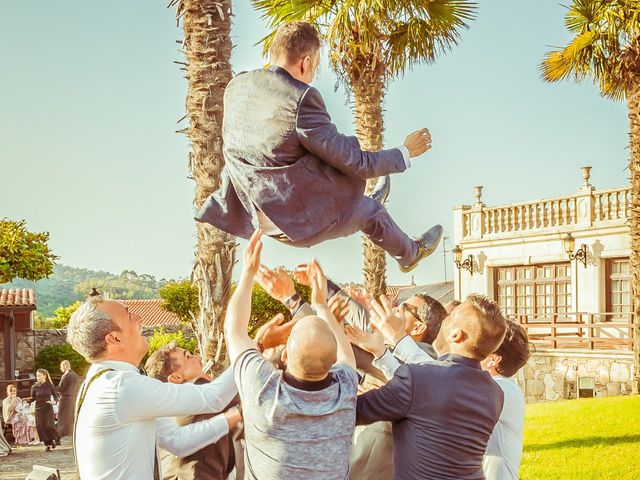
{"type": "Point", "coordinates": [161, 364]}
{"type": "Point", "coordinates": [45, 372]}
{"type": "Point", "coordinates": [491, 329]}
{"type": "Point", "coordinates": [514, 350]}
{"type": "Point", "coordinates": [295, 40]}
{"type": "Point", "coordinates": [432, 313]}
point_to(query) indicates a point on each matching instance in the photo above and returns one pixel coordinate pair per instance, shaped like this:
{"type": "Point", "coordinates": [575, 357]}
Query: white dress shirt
{"type": "Point", "coordinates": [407, 350]}
{"type": "Point", "coordinates": [504, 450]}
{"type": "Point", "coordinates": [117, 425]}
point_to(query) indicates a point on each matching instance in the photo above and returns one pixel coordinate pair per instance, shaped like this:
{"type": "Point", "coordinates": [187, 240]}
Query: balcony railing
{"type": "Point", "coordinates": [584, 208]}
{"type": "Point", "coordinates": [591, 331]}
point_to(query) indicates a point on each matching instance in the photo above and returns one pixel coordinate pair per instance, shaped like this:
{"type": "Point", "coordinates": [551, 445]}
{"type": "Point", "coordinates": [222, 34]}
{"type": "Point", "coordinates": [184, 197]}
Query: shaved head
{"type": "Point", "coordinates": [311, 349]}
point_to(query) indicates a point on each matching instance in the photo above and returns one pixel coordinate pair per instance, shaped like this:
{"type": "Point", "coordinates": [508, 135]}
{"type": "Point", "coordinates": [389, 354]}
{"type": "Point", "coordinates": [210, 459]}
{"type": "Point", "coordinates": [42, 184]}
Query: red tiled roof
{"type": "Point", "coordinates": [17, 297]}
{"type": "Point", "coordinates": [151, 313]}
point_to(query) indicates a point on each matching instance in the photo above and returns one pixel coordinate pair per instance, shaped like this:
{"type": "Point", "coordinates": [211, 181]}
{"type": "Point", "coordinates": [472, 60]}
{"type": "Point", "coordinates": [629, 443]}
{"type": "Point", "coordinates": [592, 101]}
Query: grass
{"type": "Point", "coordinates": [583, 439]}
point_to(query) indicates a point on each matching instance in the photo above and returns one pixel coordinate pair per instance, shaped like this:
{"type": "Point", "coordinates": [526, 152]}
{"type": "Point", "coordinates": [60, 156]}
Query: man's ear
{"type": "Point", "coordinates": [494, 360]}
{"type": "Point", "coordinates": [175, 377]}
{"type": "Point", "coordinates": [112, 338]}
{"type": "Point", "coordinates": [306, 64]}
{"type": "Point", "coordinates": [457, 335]}
{"type": "Point", "coordinates": [419, 330]}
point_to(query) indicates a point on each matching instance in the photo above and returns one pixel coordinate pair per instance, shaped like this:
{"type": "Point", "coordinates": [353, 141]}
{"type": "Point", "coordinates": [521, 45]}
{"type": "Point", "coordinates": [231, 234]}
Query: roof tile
{"type": "Point", "coordinates": [17, 297]}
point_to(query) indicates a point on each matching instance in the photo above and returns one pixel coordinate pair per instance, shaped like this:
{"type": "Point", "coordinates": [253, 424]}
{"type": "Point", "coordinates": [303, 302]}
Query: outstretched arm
{"type": "Point", "coordinates": [319, 301]}
{"type": "Point", "coordinates": [236, 322]}
{"type": "Point", "coordinates": [321, 137]}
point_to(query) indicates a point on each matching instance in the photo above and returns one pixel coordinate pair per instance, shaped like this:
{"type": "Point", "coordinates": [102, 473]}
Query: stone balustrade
{"type": "Point", "coordinates": [585, 209]}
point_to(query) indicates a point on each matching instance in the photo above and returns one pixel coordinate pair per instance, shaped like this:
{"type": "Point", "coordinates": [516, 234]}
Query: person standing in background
{"type": "Point", "coordinates": [44, 394]}
{"type": "Point", "coordinates": [68, 390]}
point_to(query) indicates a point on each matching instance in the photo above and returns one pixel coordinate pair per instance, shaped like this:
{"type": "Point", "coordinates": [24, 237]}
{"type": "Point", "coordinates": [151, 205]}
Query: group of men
{"type": "Point", "coordinates": [439, 401]}
{"type": "Point", "coordinates": [430, 389]}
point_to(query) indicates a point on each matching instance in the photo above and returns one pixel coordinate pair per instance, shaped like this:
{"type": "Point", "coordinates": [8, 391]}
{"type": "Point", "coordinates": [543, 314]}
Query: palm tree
{"type": "Point", "coordinates": [373, 42]}
{"type": "Point", "coordinates": [606, 47]}
{"type": "Point", "coordinates": [207, 49]}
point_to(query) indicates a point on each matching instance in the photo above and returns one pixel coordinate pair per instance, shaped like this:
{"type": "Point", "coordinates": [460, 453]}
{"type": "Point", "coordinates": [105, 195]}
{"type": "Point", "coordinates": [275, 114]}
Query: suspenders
{"type": "Point", "coordinates": [81, 397]}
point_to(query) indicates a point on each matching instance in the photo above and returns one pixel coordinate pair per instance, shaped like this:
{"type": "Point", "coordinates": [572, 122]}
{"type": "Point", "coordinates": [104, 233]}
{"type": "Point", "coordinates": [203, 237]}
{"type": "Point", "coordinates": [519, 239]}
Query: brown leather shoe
{"type": "Point", "coordinates": [427, 244]}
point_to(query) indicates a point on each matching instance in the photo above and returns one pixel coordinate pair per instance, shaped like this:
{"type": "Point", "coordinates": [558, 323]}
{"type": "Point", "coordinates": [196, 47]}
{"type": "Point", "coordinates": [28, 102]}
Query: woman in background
{"type": "Point", "coordinates": [11, 412]}
{"type": "Point", "coordinates": [45, 395]}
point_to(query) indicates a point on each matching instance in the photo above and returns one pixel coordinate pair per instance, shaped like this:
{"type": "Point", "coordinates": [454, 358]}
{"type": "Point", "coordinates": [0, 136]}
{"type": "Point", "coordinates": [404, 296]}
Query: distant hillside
{"type": "Point", "coordinates": [69, 284]}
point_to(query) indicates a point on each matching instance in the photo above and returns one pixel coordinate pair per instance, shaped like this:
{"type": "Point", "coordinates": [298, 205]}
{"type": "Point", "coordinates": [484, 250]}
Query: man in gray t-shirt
{"type": "Point", "coordinates": [298, 422]}
{"type": "Point", "coordinates": [295, 429]}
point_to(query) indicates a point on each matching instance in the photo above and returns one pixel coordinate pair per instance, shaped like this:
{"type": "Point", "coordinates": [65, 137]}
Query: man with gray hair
{"type": "Point", "coordinates": [118, 409]}
{"type": "Point", "coordinates": [68, 389]}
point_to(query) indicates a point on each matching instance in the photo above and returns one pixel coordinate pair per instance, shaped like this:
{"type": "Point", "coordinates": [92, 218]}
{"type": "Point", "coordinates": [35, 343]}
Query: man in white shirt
{"type": "Point", "coordinates": [215, 461]}
{"type": "Point", "coordinates": [117, 407]}
{"type": "Point", "coordinates": [504, 449]}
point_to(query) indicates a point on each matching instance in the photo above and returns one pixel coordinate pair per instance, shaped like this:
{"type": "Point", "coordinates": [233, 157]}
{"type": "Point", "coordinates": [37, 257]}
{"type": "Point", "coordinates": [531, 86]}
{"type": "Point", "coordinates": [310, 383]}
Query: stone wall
{"type": "Point", "coordinates": [553, 374]}
{"type": "Point", "coordinates": [31, 342]}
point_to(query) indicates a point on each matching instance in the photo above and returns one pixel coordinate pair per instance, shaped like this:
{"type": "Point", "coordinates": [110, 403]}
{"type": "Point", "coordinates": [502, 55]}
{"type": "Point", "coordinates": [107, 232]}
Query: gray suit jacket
{"type": "Point", "coordinates": [443, 414]}
{"type": "Point", "coordinates": [284, 157]}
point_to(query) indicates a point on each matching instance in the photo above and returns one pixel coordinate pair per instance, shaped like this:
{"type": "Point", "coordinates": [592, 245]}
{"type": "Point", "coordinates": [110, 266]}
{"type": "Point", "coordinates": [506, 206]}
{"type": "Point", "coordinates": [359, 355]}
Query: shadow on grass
{"type": "Point", "coordinates": [583, 442]}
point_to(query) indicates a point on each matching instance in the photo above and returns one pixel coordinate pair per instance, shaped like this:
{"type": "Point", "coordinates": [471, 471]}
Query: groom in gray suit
{"type": "Point", "coordinates": [290, 172]}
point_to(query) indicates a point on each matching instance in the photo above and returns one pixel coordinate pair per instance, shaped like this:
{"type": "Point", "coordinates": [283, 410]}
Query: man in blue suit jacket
{"type": "Point", "coordinates": [290, 172]}
{"type": "Point", "coordinates": [444, 411]}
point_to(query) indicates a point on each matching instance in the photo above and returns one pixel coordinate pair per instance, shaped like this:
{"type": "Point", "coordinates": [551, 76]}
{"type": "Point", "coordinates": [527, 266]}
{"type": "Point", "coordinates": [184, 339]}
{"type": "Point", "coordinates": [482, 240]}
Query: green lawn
{"type": "Point", "coordinates": [582, 439]}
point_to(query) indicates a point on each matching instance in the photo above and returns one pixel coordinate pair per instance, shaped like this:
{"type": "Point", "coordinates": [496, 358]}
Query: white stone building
{"type": "Point", "coordinates": [560, 266]}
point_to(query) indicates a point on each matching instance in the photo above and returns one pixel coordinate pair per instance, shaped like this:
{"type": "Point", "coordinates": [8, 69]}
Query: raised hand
{"type": "Point", "coordinates": [252, 254]}
{"type": "Point", "coordinates": [301, 274]}
{"type": "Point", "coordinates": [338, 307]}
{"type": "Point", "coordinates": [318, 283]}
{"type": "Point", "coordinates": [418, 142]}
{"type": "Point", "coordinates": [370, 342]}
{"type": "Point", "coordinates": [385, 320]}
{"type": "Point", "coordinates": [277, 283]}
{"type": "Point", "coordinates": [275, 332]}
{"type": "Point", "coordinates": [360, 295]}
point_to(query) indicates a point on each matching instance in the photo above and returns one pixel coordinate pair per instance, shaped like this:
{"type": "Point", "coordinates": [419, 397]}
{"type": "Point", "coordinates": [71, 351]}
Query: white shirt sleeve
{"type": "Point", "coordinates": [188, 439]}
{"type": "Point", "coordinates": [408, 351]}
{"type": "Point", "coordinates": [387, 364]}
{"type": "Point", "coordinates": [144, 397]}
{"type": "Point", "coordinates": [405, 155]}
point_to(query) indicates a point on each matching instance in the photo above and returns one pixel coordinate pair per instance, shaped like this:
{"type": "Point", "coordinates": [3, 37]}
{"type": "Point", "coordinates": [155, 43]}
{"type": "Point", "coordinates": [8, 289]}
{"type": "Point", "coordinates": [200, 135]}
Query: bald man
{"type": "Point", "coordinates": [298, 422]}
{"type": "Point", "coordinates": [68, 389]}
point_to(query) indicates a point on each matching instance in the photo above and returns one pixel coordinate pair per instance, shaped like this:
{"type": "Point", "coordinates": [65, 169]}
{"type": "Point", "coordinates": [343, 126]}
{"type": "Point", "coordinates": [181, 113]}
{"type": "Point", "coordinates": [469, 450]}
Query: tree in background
{"type": "Point", "coordinates": [62, 315]}
{"type": "Point", "coordinates": [606, 47]}
{"type": "Point", "coordinates": [181, 299]}
{"type": "Point", "coordinates": [207, 66]}
{"type": "Point", "coordinates": [371, 43]}
{"type": "Point", "coordinates": [23, 254]}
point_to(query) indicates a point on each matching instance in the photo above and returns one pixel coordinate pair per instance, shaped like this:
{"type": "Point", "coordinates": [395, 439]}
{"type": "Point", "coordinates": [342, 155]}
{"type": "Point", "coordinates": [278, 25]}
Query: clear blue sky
{"type": "Point", "coordinates": [90, 96]}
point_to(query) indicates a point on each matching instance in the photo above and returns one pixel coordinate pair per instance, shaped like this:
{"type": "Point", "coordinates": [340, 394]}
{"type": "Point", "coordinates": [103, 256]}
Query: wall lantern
{"type": "Point", "coordinates": [569, 244]}
{"type": "Point", "coordinates": [467, 264]}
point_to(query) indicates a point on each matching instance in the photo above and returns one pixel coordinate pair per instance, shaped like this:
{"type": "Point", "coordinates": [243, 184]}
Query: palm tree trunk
{"type": "Point", "coordinates": [207, 48]}
{"type": "Point", "coordinates": [633, 99]}
{"type": "Point", "coordinates": [368, 93]}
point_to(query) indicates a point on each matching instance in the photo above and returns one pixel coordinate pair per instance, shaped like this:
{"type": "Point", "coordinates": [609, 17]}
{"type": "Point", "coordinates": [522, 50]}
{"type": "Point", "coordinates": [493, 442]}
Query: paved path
{"type": "Point", "coordinates": [17, 465]}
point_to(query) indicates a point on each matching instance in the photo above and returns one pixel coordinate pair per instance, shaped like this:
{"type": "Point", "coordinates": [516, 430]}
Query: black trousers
{"type": "Point", "coordinates": [45, 423]}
